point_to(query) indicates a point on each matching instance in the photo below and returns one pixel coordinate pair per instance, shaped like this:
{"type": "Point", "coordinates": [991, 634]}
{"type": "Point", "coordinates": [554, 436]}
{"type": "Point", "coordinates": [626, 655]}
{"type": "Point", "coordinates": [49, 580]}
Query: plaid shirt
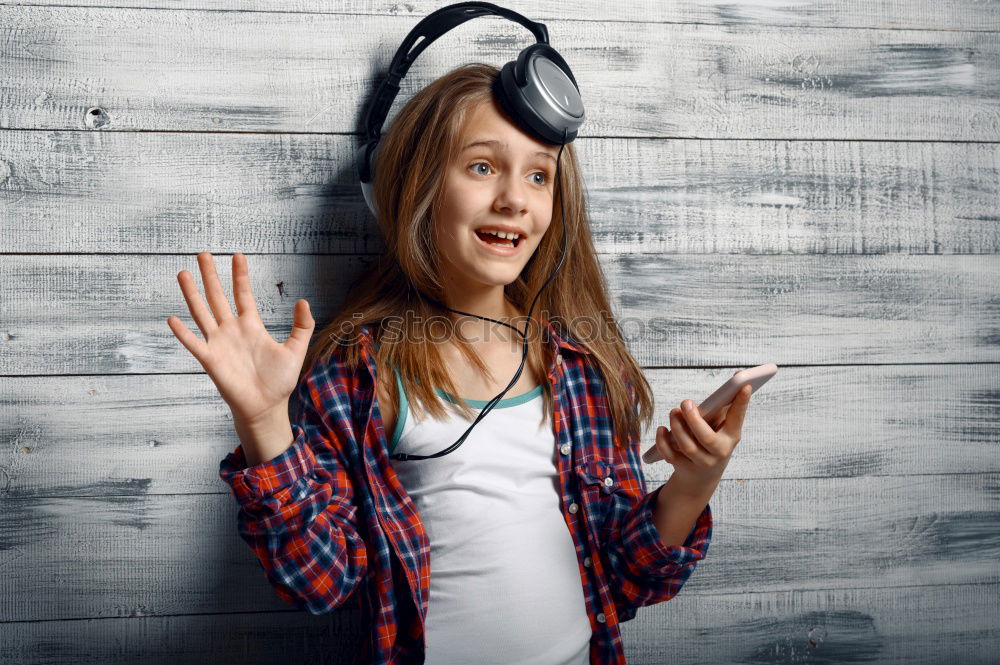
{"type": "Point", "coordinates": [330, 522]}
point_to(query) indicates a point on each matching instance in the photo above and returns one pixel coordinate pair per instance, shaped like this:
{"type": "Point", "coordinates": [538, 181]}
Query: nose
{"type": "Point", "coordinates": [511, 196]}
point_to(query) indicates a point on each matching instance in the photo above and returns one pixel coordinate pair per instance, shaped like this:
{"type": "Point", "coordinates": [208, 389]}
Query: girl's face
{"type": "Point", "coordinates": [509, 182]}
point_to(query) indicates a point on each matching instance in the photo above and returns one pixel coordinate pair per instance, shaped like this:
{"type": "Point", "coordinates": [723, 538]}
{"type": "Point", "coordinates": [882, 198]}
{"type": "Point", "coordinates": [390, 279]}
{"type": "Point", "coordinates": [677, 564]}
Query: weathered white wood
{"type": "Point", "coordinates": [93, 314]}
{"type": "Point", "coordinates": [940, 14]}
{"type": "Point", "coordinates": [147, 435]}
{"type": "Point", "coordinates": [925, 624]}
{"type": "Point", "coordinates": [920, 625]}
{"type": "Point", "coordinates": [252, 638]}
{"type": "Point", "coordinates": [857, 520]}
{"type": "Point", "coordinates": [250, 193]}
{"type": "Point", "coordinates": [135, 69]}
{"type": "Point", "coordinates": [168, 554]}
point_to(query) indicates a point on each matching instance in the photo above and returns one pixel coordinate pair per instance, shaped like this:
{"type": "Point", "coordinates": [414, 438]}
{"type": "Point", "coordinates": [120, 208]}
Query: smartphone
{"type": "Point", "coordinates": [723, 396]}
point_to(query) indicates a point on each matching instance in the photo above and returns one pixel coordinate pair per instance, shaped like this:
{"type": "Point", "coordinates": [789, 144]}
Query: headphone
{"type": "Point", "coordinates": [537, 90]}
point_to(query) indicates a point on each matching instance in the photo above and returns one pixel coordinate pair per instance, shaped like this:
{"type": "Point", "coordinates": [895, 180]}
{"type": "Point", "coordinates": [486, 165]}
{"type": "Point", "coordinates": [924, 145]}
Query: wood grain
{"type": "Point", "coordinates": [646, 196]}
{"type": "Point", "coordinates": [884, 625]}
{"type": "Point", "coordinates": [68, 437]}
{"type": "Point", "coordinates": [97, 314]}
{"type": "Point", "coordinates": [971, 15]}
{"type": "Point", "coordinates": [807, 182]}
{"type": "Point", "coordinates": [223, 71]}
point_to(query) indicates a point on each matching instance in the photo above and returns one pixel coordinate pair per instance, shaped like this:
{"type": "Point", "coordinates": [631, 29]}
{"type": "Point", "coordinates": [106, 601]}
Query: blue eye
{"type": "Point", "coordinates": [486, 164]}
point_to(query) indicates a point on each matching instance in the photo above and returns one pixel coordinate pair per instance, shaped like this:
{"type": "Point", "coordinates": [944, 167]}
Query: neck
{"type": "Point", "coordinates": [480, 331]}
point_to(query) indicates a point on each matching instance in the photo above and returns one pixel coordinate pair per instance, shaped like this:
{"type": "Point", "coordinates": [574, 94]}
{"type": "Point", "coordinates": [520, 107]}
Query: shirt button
{"type": "Point", "coordinates": [573, 508]}
{"type": "Point", "coordinates": [559, 359]}
{"type": "Point", "coordinates": [600, 617]}
{"type": "Point", "coordinates": [586, 562]}
{"type": "Point", "coordinates": [609, 481]}
{"type": "Point", "coordinates": [564, 449]}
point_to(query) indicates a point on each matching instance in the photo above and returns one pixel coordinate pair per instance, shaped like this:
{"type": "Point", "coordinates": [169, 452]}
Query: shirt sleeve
{"type": "Point", "coordinates": [643, 570]}
{"type": "Point", "coordinates": [297, 510]}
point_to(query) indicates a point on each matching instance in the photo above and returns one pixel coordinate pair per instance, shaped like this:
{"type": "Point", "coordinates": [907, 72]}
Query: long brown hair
{"type": "Point", "coordinates": [422, 141]}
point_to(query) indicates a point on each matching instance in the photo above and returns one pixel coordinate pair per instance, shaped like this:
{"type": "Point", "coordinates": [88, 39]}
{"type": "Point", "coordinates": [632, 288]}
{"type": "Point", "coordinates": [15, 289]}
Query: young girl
{"type": "Point", "coordinates": [536, 537]}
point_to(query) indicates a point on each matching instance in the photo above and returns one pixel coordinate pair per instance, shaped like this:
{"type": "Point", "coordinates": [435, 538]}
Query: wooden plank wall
{"type": "Point", "coordinates": [812, 183]}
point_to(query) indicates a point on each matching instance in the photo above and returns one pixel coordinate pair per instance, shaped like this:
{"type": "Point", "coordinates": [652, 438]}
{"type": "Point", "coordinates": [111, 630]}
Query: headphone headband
{"type": "Point", "coordinates": [429, 29]}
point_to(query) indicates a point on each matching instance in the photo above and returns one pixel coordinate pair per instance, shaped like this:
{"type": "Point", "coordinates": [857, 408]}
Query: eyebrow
{"type": "Point", "coordinates": [496, 144]}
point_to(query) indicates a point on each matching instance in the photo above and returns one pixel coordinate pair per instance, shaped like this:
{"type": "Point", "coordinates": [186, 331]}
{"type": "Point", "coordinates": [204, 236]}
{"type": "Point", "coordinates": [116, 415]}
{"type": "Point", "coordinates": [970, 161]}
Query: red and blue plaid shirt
{"type": "Point", "coordinates": [330, 522]}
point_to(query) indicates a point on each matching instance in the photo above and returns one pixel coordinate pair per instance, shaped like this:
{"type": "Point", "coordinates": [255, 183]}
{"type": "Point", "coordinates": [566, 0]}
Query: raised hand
{"type": "Point", "coordinates": [254, 374]}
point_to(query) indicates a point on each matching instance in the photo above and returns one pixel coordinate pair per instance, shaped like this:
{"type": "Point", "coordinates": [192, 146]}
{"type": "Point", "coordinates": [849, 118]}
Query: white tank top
{"type": "Point", "coordinates": [505, 581]}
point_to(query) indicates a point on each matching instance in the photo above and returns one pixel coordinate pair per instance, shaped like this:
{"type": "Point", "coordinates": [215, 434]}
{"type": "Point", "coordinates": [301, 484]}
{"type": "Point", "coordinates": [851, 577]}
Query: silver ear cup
{"type": "Point", "coordinates": [553, 96]}
{"type": "Point", "coordinates": [367, 187]}
{"type": "Point", "coordinates": [540, 95]}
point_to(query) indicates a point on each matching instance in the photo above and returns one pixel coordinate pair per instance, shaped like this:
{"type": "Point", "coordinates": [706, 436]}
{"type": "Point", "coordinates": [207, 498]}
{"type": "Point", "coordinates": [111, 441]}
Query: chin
{"type": "Point", "coordinates": [496, 278]}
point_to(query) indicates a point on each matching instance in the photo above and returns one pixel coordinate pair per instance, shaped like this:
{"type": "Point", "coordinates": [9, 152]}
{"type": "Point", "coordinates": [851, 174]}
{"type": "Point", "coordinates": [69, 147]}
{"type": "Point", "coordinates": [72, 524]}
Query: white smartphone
{"type": "Point", "coordinates": [724, 395]}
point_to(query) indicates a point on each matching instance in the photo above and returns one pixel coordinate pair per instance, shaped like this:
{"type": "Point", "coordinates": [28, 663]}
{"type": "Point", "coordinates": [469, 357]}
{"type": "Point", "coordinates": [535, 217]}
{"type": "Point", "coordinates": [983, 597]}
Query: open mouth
{"type": "Point", "coordinates": [495, 240]}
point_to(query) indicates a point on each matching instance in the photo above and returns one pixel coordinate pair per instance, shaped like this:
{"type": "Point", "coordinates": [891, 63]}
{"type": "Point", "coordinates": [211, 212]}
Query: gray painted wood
{"type": "Point", "coordinates": [107, 314]}
{"type": "Point", "coordinates": [647, 196]}
{"type": "Point", "coordinates": [811, 183]}
{"type": "Point", "coordinates": [289, 72]}
{"type": "Point", "coordinates": [969, 15]}
{"type": "Point", "coordinates": [901, 625]}
{"type": "Point", "coordinates": [247, 638]}
{"type": "Point", "coordinates": [875, 624]}
{"type": "Point", "coordinates": [67, 438]}
{"type": "Point", "coordinates": [153, 554]}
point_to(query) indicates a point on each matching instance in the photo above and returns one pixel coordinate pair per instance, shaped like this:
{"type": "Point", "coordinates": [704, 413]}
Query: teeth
{"type": "Point", "coordinates": [501, 234]}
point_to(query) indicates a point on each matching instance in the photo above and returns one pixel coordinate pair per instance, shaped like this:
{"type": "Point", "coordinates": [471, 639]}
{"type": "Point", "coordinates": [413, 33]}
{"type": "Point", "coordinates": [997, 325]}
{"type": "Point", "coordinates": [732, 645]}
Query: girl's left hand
{"type": "Point", "coordinates": [700, 451]}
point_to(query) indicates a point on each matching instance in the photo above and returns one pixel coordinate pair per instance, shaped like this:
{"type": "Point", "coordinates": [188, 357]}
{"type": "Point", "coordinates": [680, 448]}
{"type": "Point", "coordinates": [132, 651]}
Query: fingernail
{"type": "Point", "coordinates": [686, 405]}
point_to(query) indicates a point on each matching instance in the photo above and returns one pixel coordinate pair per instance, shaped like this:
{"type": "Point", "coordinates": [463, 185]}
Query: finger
{"type": "Point", "coordinates": [302, 326]}
{"type": "Point", "coordinates": [734, 423]}
{"type": "Point", "coordinates": [721, 418]}
{"type": "Point", "coordinates": [246, 304]}
{"type": "Point", "coordinates": [685, 440]}
{"type": "Point", "coordinates": [663, 445]}
{"type": "Point", "coordinates": [199, 312]}
{"type": "Point", "coordinates": [190, 341]}
{"type": "Point", "coordinates": [213, 288]}
{"type": "Point", "coordinates": [717, 420]}
{"type": "Point", "coordinates": [701, 431]}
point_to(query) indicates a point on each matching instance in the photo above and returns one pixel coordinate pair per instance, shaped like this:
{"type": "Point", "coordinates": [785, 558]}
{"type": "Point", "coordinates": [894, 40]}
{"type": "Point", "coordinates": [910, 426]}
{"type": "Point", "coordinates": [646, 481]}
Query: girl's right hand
{"type": "Point", "coordinates": [254, 374]}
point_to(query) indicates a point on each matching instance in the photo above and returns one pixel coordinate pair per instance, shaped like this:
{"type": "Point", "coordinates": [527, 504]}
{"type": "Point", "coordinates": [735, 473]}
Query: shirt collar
{"type": "Point", "coordinates": [564, 343]}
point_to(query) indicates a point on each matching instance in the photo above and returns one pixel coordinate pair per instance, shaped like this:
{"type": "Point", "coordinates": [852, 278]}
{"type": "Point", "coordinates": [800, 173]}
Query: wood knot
{"type": "Point", "coordinates": [96, 118]}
